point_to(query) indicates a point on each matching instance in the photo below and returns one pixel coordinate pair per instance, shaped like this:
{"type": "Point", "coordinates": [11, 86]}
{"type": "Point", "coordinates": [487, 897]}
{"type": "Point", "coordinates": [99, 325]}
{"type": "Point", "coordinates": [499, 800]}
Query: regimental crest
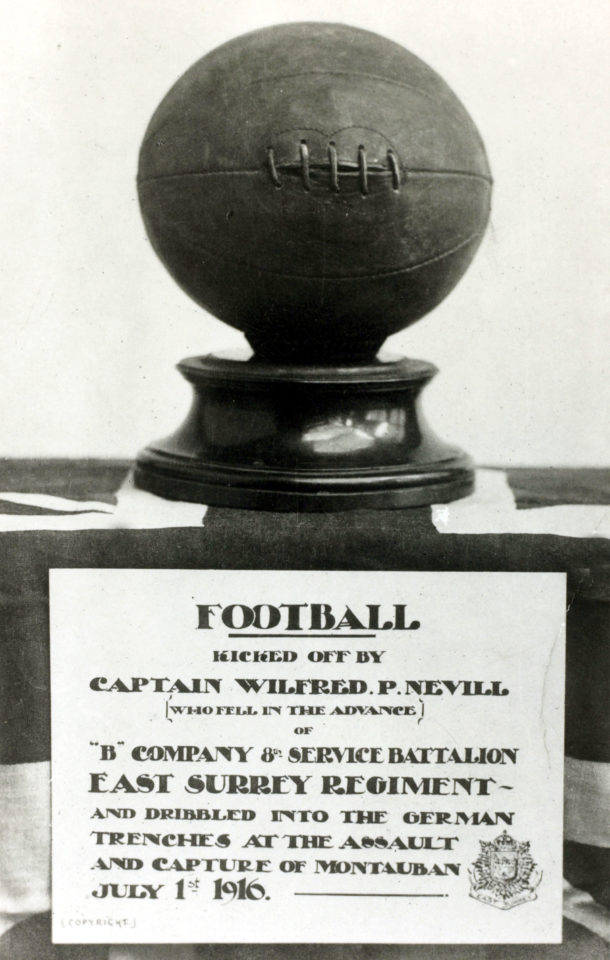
{"type": "Point", "coordinates": [504, 874]}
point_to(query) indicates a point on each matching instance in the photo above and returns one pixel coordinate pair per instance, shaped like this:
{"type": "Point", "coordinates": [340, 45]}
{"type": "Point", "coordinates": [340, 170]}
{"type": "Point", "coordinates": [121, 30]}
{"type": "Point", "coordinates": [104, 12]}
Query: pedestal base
{"type": "Point", "coordinates": [267, 437]}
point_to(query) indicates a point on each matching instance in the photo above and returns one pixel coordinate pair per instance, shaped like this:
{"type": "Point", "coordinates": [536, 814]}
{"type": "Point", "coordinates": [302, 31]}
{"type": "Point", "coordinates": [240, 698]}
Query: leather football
{"type": "Point", "coordinates": [316, 186]}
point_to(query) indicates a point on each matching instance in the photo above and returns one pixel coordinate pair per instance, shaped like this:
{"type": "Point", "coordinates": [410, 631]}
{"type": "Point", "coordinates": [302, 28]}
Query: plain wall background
{"type": "Point", "coordinates": [92, 323]}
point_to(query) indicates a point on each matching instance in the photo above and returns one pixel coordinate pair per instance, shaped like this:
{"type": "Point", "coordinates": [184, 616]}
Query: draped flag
{"type": "Point", "coordinates": [65, 513]}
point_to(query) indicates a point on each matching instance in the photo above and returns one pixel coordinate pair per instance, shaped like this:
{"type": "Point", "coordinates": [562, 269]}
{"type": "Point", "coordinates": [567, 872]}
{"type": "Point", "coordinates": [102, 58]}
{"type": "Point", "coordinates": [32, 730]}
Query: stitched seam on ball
{"type": "Point", "coordinates": [436, 97]}
{"type": "Point", "coordinates": [325, 73]}
{"type": "Point", "coordinates": [414, 171]}
{"type": "Point", "coordinates": [333, 277]}
{"type": "Point", "coordinates": [333, 166]}
{"type": "Point", "coordinates": [342, 73]}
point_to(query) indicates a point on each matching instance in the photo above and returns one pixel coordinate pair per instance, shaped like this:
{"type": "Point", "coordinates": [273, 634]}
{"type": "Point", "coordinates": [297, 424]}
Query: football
{"type": "Point", "coordinates": [316, 186]}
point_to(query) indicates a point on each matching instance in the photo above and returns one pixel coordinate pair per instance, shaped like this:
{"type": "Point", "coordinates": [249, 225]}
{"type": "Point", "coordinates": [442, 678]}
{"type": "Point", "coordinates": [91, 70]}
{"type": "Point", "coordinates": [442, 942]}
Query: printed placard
{"type": "Point", "coordinates": [306, 756]}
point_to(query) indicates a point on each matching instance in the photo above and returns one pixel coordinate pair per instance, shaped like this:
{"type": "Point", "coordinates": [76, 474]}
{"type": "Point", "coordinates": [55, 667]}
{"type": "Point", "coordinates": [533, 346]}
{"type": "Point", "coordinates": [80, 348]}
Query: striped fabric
{"type": "Point", "coordinates": [85, 513]}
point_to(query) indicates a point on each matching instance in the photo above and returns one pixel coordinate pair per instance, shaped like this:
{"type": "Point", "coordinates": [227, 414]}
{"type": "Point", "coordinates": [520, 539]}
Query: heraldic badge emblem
{"type": "Point", "coordinates": [504, 874]}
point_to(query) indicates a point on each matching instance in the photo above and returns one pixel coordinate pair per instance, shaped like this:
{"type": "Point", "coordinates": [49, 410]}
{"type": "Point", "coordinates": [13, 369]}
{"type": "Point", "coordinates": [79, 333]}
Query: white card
{"type": "Point", "coordinates": [306, 756]}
